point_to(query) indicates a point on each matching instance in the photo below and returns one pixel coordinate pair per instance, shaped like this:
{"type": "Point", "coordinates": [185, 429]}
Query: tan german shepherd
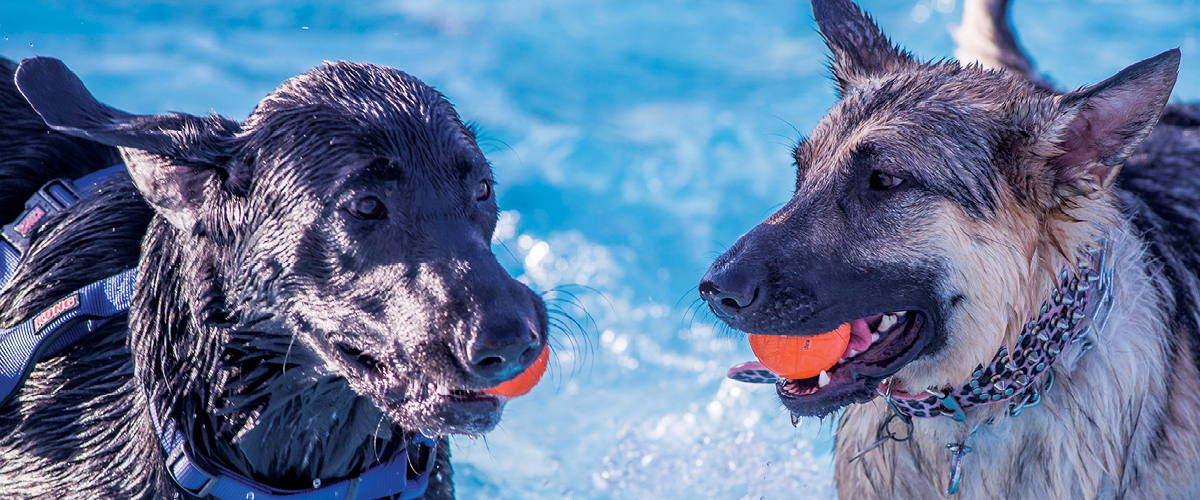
{"type": "Point", "coordinates": [977, 230]}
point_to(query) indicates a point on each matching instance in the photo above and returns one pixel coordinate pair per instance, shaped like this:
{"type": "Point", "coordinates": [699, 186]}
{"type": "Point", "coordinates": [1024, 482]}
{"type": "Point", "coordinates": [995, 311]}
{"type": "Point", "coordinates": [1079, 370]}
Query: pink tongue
{"type": "Point", "coordinates": [860, 335]}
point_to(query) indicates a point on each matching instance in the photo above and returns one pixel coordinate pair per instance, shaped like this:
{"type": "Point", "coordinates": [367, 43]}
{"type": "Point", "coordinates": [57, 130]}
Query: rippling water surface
{"type": "Point", "coordinates": [633, 141]}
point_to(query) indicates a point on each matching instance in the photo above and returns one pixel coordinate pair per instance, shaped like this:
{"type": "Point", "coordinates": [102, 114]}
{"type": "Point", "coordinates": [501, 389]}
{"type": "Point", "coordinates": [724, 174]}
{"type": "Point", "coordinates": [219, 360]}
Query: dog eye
{"type": "Point", "coordinates": [483, 191]}
{"type": "Point", "coordinates": [881, 181]}
{"type": "Point", "coordinates": [368, 207]}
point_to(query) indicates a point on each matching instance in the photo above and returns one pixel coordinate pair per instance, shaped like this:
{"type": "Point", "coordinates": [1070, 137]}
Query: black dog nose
{"type": "Point", "coordinates": [504, 349]}
{"type": "Point", "coordinates": [725, 301]}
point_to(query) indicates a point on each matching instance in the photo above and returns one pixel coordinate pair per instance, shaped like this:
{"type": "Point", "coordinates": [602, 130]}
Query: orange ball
{"type": "Point", "coordinates": [801, 356]}
{"type": "Point", "coordinates": [523, 383]}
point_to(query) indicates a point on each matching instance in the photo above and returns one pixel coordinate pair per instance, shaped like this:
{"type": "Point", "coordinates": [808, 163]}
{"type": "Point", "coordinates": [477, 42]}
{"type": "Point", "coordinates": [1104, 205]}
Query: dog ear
{"type": "Point", "coordinates": [860, 49]}
{"type": "Point", "coordinates": [174, 159]}
{"type": "Point", "coordinates": [1103, 124]}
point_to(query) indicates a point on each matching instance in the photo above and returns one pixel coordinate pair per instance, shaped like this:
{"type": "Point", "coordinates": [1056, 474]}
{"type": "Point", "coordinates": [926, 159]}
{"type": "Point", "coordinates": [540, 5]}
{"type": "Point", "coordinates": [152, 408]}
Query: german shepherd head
{"type": "Point", "coordinates": [933, 206]}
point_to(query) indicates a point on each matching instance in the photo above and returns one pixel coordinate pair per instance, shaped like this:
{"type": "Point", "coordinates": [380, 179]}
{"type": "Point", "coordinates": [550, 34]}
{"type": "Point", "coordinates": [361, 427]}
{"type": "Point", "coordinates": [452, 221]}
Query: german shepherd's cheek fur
{"type": "Point", "coordinates": [982, 291]}
{"type": "Point", "coordinates": [995, 271]}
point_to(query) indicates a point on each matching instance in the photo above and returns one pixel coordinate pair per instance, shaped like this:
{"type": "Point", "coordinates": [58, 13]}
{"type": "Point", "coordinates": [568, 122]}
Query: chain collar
{"type": "Point", "coordinates": [1075, 309]}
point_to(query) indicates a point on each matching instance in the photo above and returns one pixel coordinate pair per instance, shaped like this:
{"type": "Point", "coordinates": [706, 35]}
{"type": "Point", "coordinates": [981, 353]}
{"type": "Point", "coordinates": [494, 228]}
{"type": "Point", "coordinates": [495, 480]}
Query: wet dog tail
{"type": "Point", "coordinates": [986, 37]}
{"type": "Point", "coordinates": [31, 154]}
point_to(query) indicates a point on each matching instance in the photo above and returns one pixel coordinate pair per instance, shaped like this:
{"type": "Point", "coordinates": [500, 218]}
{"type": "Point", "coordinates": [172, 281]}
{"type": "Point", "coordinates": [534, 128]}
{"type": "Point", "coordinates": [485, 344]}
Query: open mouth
{"type": "Point", "coordinates": [879, 346]}
{"type": "Point", "coordinates": [448, 398]}
{"type": "Point", "coordinates": [434, 406]}
{"type": "Point", "coordinates": [441, 409]}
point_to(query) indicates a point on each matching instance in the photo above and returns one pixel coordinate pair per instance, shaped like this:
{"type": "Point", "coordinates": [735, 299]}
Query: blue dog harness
{"type": "Point", "coordinates": [74, 317]}
{"type": "Point", "coordinates": [84, 311]}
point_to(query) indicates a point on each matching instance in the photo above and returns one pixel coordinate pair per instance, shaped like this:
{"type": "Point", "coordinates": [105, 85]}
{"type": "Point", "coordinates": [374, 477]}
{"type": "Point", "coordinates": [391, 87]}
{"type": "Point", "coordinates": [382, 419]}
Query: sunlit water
{"type": "Point", "coordinates": [633, 141]}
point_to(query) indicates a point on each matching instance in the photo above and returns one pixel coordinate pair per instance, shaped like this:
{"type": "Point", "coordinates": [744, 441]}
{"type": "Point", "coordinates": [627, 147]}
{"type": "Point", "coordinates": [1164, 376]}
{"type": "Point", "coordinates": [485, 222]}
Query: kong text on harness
{"type": "Point", "coordinates": [72, 317]}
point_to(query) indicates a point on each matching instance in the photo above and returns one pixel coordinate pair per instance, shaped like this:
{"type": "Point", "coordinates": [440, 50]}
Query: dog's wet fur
{"type": "Point", "coordinates": [315, 284]}
{"type": "Point", "coordinates": [954, 192]}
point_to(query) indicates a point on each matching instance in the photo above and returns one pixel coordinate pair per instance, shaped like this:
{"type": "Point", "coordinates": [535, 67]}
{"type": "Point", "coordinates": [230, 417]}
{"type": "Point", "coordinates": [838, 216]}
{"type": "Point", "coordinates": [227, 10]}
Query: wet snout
{"type": "Point", "coordinates": [763, 283]}
{"type": "Point", "coordinates": [510, 327]}
{"type": "Point", "coordinates": [734, 286]}
{"type": "Point", "coordinates": [504, 347]}
{"type": "Point", "coordinates": [730, 287]}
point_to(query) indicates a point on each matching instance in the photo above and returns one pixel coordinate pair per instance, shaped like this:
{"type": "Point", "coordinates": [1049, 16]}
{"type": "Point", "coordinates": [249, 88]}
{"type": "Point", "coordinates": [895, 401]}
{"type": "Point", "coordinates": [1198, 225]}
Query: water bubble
{"type": "Point", "coordinates": [921, 12]}
{"type": "Point", "coordinates": [250, 496]}
{"type": "Point", "coordinates": [316, 483]}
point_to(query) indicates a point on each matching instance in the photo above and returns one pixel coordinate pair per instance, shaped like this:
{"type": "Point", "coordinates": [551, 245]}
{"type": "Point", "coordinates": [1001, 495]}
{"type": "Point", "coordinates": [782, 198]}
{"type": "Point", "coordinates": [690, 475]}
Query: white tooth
{"type": "Point", "coordinates": [874, 338]}
{"type": "Point", "coordinates": [888, 321]}
{"type": "Point", "coordinates": [443, 390]}
{"type": "Point", "coordinates": [851, 353]}
{"type": "Point", "coordinates": [823, 379]}
{"type": "Point", "coordinates": [901, 315]}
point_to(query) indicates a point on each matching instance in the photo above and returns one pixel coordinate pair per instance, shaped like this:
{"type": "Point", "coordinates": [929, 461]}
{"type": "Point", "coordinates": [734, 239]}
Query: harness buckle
{"type": "Point", "coordinates": [51, 198]}
{"type": "Point", "coordinates": [188, 475]}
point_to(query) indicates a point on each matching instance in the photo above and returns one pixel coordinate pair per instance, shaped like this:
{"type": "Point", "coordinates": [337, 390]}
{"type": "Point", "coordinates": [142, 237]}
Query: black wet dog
{"type": "Point", "coordinates": [315, 285]}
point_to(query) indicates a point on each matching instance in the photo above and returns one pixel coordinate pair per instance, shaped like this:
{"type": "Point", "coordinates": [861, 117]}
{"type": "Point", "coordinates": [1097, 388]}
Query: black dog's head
{"type": "Point", "coordinates": [928, 205]}
{"type": "Point", "coordinates": [342, 231]}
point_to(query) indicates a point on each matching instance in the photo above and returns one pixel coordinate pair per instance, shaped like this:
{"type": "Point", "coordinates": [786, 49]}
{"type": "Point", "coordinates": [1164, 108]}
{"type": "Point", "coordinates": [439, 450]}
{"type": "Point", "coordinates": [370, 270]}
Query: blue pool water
{"type": "Point", "coordinates": [633, 141]}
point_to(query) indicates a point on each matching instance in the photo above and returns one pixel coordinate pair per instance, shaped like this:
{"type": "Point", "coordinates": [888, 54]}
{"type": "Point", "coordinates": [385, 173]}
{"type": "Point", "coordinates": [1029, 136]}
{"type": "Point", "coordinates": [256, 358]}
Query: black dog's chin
{"type": "Point", "coordinates": [417, 405]}
{"type": "Point", "coordinates": [856, 380]}
{"type": "Point", "coordinates": [424, 406]}
{"type": "Point", "coordinates": [459, 412]}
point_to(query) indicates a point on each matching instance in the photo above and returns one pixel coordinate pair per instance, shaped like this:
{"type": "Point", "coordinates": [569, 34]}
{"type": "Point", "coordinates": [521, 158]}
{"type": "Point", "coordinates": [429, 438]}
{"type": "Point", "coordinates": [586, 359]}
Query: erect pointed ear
{"type": "Point", "coordinates": [1106, 122]}
{"type": "Point", "coordinates": [175, 160]}
{"type": "Point", "coordinates": [860, 49]}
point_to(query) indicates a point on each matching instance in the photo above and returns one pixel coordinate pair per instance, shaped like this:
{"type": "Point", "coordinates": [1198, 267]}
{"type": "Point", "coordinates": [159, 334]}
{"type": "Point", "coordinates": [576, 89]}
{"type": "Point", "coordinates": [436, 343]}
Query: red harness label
{"type": "Point", "coordinates": [30, 220]}
{"type": "Point", "coordinates": [56, 310]}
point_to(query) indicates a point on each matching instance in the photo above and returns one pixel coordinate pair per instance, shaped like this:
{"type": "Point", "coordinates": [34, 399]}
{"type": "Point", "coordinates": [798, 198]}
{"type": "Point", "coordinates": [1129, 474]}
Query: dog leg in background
{"type": "Point", "coordinates": [986, 37]}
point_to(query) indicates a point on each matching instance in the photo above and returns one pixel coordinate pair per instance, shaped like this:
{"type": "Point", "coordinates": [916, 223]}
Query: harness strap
{"type": "Point", "coordinates": [51, 198]}
{"type": "Point", "coordinates": [404, 477]}
{"type": "Point", "coordinates": [70, 319]}
{"type": "Point", "coordinates": [59, 326]}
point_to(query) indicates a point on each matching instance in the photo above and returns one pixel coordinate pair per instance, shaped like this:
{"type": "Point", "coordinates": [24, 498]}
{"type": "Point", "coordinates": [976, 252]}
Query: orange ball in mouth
{"type": "Point", "coordinates": [801, 356]}
{"type": "Point", "coordinates": [523, 383]}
